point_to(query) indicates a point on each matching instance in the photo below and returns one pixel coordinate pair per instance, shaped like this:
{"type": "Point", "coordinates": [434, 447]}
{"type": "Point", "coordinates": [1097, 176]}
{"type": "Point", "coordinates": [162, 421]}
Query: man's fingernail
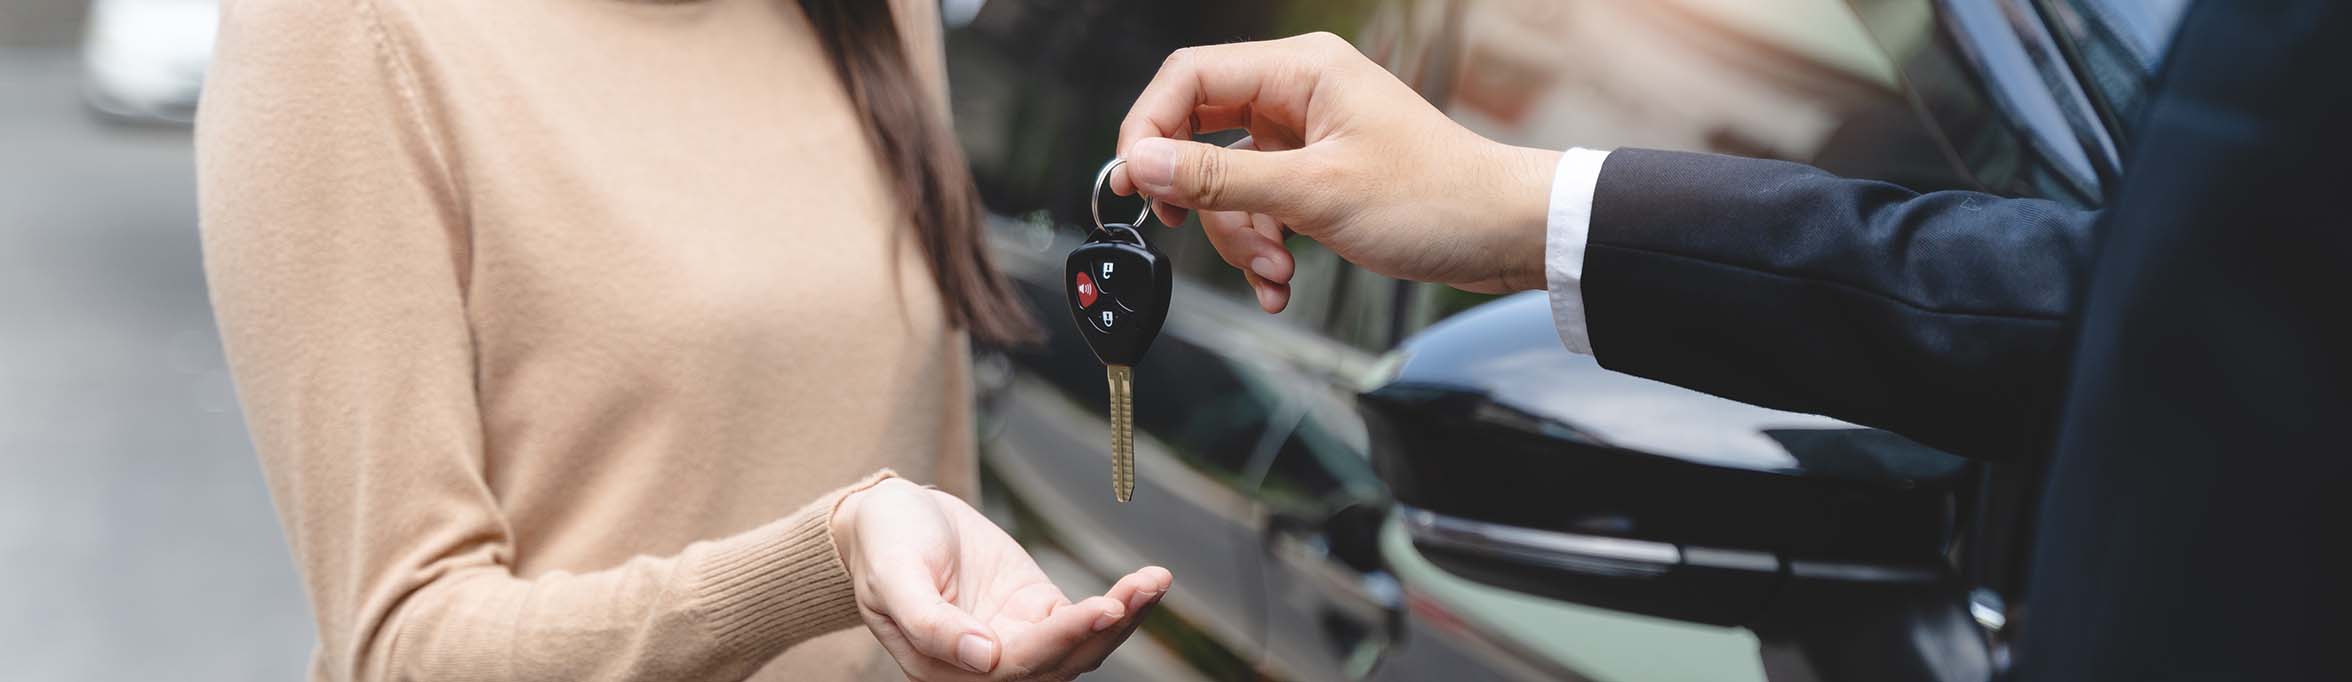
{"type": "Point", "coordinates": [1151, 163]}
{"type": "Point", "coordinates": [1110, 617]}
{"type": "Point", "coordinates": [976, 653]}
{"type": "Point", "coordinates": [1264, 267]}
{"type": "Point", "coordinates": [1266, 298]}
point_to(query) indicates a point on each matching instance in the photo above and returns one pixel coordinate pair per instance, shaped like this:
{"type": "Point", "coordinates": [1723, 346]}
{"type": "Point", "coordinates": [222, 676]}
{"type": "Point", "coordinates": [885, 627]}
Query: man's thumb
{"type": "Point", "coordinates": [1209, 177]}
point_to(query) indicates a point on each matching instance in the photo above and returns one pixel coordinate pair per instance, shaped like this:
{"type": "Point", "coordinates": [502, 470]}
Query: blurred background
{"type": "Point", "coordinates": [1312, 546]}
{"type": "Point", "coordinates": [132, 511]}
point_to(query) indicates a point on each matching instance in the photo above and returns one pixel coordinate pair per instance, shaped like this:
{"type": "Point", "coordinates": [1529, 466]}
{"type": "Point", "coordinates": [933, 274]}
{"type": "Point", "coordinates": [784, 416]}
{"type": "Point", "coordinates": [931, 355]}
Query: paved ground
{"type": "Point", "coordinates": [136, 539]}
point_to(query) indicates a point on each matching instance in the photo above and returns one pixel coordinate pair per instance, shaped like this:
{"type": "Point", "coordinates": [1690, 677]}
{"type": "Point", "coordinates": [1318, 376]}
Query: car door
{"type": "Point", "coordinates": [1333, 608]}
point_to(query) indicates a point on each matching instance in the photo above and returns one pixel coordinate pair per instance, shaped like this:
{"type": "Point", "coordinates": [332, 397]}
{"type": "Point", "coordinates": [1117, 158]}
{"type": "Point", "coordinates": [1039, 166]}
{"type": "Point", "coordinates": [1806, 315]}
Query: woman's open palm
{"type": "Point", "coordinates": [952, 597]}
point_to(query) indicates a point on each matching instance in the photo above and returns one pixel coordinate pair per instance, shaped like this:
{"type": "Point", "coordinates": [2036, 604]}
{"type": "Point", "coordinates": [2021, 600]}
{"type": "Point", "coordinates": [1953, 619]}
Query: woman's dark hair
{"type": "Point", "coordinates": [910, 135]}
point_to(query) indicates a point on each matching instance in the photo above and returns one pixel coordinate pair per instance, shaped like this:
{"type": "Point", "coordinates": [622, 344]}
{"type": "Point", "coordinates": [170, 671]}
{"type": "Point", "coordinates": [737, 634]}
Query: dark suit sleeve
{"type": "Point", "coordinates": [1938, 316]}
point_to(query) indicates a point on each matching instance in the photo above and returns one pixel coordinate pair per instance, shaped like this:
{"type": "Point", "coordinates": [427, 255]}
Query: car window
{"type": "Point", "coordinates": [2118, 44]}
{"type": "Point", "coordinates": [2029, 97]}
{"type": "Point", "coordinates": [2141, 29]}
{"type": "Point", "coordinates": [1324, 460]}
{"type": "Point", "coordinates": [1207, 410]}
{"type": "Point", "coordinates": [1800, 80]}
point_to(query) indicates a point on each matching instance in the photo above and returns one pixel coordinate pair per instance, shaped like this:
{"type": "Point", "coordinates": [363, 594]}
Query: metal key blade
{"type": "Point", "coordinates": [1122, 380]}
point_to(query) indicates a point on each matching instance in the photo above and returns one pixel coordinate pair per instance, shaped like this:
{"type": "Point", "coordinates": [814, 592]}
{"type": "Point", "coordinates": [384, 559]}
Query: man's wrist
{"type": "Point", "coordinates": [1569, 228]}
{"type": "Point", "coordinates": [1524, 209]}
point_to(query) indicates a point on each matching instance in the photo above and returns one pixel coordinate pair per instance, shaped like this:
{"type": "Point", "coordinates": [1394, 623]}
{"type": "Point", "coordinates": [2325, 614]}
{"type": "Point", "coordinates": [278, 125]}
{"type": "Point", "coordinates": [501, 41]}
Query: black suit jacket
{"type": "Point", "coordinates": [1938, 316]}
{"type": "Point", "coordinates": [2186, 365]}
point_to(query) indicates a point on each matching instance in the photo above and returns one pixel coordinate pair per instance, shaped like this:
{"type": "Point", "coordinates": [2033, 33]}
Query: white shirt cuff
{"type": "Point", "coordinates": [1565, 229]}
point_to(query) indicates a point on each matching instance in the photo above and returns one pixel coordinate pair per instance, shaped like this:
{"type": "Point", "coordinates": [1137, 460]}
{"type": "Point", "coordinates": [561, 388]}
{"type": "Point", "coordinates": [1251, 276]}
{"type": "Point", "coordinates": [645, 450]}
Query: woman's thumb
{"type": "Point", "coordinates": [936, 627]}
{"type": "Point", "coordinates": [1209, 177]}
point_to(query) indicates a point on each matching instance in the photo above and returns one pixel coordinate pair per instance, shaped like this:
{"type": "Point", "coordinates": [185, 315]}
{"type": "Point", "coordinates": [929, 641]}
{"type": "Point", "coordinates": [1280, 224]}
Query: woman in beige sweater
{"type": "Point", "coordinates": [580, 340]}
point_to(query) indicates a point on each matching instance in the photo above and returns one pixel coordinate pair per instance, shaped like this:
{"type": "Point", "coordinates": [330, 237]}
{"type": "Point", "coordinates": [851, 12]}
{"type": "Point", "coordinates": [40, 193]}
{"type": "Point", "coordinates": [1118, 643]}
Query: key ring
{"type": "Point", "coordinates": [1094, 202]}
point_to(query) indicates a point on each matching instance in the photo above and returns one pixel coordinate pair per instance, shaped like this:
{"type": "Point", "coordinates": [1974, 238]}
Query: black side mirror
{"type": "Point", "coordinates": [1518, 464]}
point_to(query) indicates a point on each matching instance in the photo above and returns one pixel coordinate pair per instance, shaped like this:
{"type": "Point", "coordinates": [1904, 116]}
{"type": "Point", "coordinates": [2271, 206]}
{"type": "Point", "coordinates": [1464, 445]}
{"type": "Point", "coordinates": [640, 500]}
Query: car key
{"type": "Point", "coordinates": [1118, 292]}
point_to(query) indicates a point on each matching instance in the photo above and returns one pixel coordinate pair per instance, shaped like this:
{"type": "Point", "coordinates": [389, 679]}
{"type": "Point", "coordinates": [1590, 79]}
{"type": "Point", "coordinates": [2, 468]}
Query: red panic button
{"type": "Point", "coordinates": [1086, 291]}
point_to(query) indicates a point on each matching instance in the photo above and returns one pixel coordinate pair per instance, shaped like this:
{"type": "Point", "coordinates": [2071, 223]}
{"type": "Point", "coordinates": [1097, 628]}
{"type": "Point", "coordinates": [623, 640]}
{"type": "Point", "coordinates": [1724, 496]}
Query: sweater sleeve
{"type": "Point", "coordinates": [335, 245]}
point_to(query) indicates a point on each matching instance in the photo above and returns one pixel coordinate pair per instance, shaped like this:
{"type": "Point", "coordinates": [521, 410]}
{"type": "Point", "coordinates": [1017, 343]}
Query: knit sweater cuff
{"type": "Point", "coordinates": [777, 585]}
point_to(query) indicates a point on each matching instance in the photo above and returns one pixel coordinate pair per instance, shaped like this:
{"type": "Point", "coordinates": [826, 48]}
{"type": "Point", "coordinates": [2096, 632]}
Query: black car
{"type": "Point", "coordinates": [1407, 482]}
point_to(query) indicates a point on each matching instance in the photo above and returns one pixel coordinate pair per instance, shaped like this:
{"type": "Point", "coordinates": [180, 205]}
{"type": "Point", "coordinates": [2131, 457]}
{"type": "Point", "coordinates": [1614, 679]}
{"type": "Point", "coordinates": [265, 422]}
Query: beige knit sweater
{"type": "Point", "coordinates": [560, 326]}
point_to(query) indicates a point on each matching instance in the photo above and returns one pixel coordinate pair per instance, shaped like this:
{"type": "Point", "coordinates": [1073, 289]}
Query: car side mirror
{"type": "Point", "coordinates": [1518, 464]}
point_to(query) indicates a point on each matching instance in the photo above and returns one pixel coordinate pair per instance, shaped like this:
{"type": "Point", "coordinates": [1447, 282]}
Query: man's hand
{"type": "Point", "coordinates": [954, 598]}
{"type": "Point", "coordinates": [1339, 151]}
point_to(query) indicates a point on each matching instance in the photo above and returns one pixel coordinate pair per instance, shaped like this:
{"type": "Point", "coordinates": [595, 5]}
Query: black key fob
{"type": "Point", "coordinates": [1118, 289]}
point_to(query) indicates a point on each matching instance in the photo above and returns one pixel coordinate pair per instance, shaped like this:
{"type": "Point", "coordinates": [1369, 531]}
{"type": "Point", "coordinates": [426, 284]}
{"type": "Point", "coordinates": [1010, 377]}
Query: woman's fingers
{"type": "Point", "coordinates": [1142, 587]}
{"type": "Point", "coordinates": [1072, 639]}
{"type": "Point", "coordinates": [1076, 638]}
{"type": "Point", "coordinates": [1090, 653]}
{"type": "Point", "coordinates": [942, 631]}
{"type": "Point", "coordinates": [1031, 603]}
{"type": "Point", "coordinates": [1048, 644]}
{"type": "Point", "coordinates": [931, 624]}
{"type": "Point", "coordinates": [1060, 629]}
{"type": "Point", "coordinates": [915, 664]}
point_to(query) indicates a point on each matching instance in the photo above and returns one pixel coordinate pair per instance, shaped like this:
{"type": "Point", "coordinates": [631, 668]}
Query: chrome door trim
{"type": "Point", "coordinates": [1568, 551]}
{"type": "Point", "coordinates": [1624, 557]}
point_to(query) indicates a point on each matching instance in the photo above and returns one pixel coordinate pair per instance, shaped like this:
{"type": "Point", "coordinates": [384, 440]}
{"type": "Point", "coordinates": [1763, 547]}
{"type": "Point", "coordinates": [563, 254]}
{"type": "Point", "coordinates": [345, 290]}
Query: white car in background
{"type": "Point", "coordinates": [144, 60]}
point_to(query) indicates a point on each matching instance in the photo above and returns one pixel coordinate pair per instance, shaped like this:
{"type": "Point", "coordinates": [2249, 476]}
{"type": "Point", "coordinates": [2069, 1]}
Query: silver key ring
{"type": "Point", "coordinates": [1129, 229]}
{"type": "Point", "coordinates": [1094, 202]}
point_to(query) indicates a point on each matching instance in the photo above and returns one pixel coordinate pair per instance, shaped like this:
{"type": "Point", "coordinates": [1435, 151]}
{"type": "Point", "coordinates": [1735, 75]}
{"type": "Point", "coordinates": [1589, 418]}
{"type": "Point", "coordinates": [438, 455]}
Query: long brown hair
{"type": "Point", "coordinates": [911, 137]}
